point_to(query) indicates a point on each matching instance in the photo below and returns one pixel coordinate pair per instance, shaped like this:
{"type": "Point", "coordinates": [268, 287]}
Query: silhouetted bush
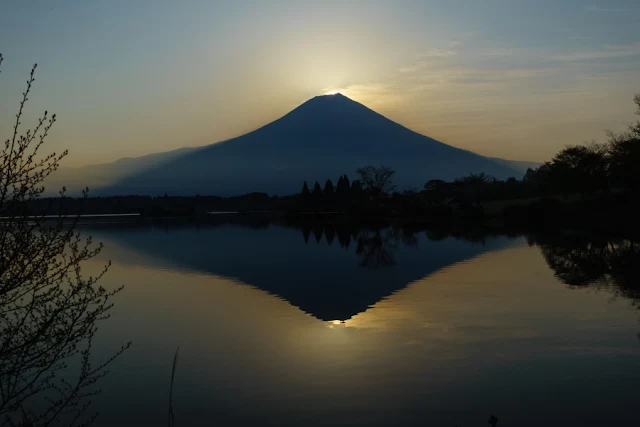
{"type": "Point", "coordinates": [49, 312]}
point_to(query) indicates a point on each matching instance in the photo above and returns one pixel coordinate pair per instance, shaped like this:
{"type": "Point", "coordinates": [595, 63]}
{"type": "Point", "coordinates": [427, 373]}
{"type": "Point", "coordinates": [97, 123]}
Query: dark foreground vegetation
{"type": "Point", "coordinates": [49, 309]}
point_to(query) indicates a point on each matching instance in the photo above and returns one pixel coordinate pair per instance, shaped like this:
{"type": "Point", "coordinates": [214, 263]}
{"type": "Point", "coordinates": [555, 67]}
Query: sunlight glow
{"type": "Point", "coordinates": [376, 96]}
{"type": "Point", "coordinates": [336, 324]}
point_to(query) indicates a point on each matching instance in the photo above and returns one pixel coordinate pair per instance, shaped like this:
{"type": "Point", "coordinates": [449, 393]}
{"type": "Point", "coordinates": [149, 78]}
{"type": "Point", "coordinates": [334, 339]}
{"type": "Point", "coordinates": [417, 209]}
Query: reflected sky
{"type": "Point", "coordinates": [491, 330]}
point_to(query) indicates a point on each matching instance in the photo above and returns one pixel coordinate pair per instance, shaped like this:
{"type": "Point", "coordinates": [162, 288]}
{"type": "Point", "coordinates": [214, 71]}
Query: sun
{"type": "Point", "coordinates": [332, 92]}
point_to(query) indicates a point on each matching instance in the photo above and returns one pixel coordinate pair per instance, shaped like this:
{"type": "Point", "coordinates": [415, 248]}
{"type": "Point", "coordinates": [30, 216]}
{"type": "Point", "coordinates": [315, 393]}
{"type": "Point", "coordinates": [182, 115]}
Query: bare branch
{"type": "Point", "coordinates": [49, 310]}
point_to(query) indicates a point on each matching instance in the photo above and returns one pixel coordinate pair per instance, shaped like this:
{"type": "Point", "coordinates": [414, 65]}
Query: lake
{"type": "Point", "coordinates": [333, 326]}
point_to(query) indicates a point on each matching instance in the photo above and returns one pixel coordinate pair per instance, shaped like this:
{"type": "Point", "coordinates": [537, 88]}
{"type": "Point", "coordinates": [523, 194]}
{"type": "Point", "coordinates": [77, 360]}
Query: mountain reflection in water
{"type": "Point", "coordinates": [322, 325]}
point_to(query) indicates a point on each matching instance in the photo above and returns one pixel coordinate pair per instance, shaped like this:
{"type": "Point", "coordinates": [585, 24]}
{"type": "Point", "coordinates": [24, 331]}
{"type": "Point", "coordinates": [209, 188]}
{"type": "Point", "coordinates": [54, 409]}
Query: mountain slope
{"type": "Point", "coordinates": [324, 138]}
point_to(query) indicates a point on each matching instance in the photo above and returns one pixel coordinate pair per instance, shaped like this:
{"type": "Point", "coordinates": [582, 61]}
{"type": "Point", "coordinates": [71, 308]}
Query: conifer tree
{"type": "Point", "coordinates": [328, 188]}
{"type": "Point", "coordinates": [317, 190]}
{"type": "Point", "coordinates": [305, 190]}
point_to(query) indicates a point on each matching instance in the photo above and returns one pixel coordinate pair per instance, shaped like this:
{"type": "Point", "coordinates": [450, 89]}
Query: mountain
{"type": "Point", "coordinates": [324, 138]}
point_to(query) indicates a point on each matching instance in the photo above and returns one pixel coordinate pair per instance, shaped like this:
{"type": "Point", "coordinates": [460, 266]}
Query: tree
{"type": "Point", "coordinates": [530, 175]}
{"type": "Point", "coordinates": [435, 190]}
{"type": "Point", "coordinates": [49, 312]}
{"type": "Point", "coordinates": [435, 185]}
{"type": "Point", "coordinates": [305, 190]}
{"type": "Point", "coordinates": [624, 152]}
{"type": "Point", "coordinates": [356, 189]}
{"type": "Point", "coordinates": [342, 188]}
{"type": "Point", "coordinates": [317, 191]}
{"type": "Point", "coordinates": [624, 161]}
{"type": "Point", "coordinates": [635, 128]}
{"type": "Point", "coordinates": [377, 180]}
{"type": "Point", "coordinates": [474, 186]}
{"type": "Point", "coordinates": [537, 180]}
{"type": "Point", "coordinates": [346, 183]}
{"type": "Point", "coordinates": [579, 168]}
{"type": "Point", "coordinates": [328, 188]}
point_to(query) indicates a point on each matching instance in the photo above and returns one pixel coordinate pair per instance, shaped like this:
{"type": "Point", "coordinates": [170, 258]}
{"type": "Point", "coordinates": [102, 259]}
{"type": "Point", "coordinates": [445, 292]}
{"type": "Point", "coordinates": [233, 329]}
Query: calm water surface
{"type": "Point", "coordinates": [284, 326]}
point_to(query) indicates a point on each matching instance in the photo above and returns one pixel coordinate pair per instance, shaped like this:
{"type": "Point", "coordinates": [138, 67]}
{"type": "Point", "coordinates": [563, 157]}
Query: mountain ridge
{"type": "Point", "coordinates": [323, 138]}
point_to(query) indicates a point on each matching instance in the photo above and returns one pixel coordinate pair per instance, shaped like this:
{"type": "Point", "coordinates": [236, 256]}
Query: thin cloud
{"type": "Point", "coordinates": [436, 53]}
{"type": "Point", "coordinates": [415, 67]}
{"type": "Point", "coordinates": [423, 59]}
{"type": "Point", "coordinates": [598, 9]}
{"type": "Point", "coordinates": [606, 53]}
{"type": "Point", "coordinates": [501, 52]}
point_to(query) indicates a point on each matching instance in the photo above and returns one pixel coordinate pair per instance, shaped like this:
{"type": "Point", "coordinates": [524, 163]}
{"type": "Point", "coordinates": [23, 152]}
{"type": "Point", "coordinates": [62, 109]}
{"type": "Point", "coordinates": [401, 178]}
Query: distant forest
{"type": "Point", "coordinates": [595, 180]}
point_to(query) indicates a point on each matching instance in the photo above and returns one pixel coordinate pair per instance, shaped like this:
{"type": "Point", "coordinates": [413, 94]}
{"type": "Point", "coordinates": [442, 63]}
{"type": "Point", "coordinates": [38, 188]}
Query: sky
{"type": "Point", "coordinates": [506, 78]}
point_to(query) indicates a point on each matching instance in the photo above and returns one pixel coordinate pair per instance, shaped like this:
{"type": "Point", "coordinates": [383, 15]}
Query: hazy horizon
{"type": "Point", "coordinates": [504, 79]}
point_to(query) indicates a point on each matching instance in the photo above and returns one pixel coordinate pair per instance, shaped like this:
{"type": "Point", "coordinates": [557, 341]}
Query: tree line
{"type": "Point", "coordinates": [584, 170]}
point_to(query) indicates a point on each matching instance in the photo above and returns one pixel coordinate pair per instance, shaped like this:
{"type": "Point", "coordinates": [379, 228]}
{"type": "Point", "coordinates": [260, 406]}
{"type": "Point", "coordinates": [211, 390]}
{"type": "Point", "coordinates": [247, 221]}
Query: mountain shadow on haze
{"type": "Point", "coordinates": [326, 136]}
{"type": "Point", "coordinates": [105, 174]}
{"type": "Point", "coordinates": [330, 273]}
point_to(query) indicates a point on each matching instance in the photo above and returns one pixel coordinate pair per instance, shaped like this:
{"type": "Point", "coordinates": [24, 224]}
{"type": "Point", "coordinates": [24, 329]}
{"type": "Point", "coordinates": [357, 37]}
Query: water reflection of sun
{"type": "Point", "coordinates": [336, 323]}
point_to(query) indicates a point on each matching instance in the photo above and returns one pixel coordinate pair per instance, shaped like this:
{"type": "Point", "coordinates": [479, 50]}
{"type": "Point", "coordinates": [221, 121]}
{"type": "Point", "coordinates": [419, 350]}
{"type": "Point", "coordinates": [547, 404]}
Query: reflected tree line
{"type": "Point", "coordinates": [578, 260]}
{"type": "Point", "coordinates": [375, 246]}
{"type": "Point", "coordinates": [603, 263]}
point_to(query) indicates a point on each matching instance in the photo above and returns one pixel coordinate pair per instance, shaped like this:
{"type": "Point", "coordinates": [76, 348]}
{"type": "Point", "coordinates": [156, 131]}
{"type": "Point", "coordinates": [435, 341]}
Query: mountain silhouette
{"type": "Point", "coordinates": [324, 138]}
